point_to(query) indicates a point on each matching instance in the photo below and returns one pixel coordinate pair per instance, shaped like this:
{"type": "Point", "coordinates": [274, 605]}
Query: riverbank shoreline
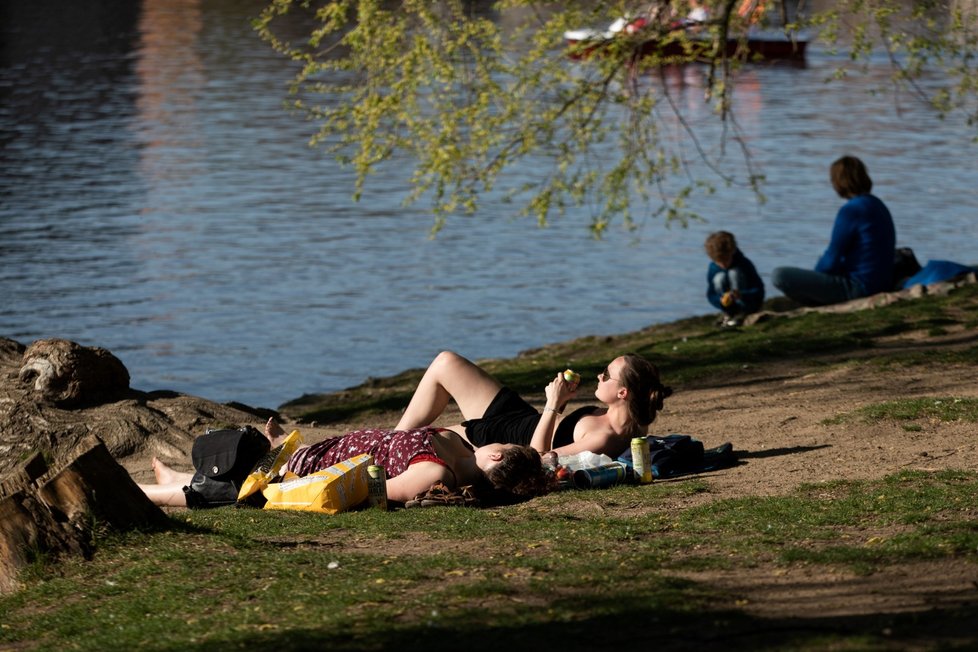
{"type": "Point", "coordinates": [770, 385]}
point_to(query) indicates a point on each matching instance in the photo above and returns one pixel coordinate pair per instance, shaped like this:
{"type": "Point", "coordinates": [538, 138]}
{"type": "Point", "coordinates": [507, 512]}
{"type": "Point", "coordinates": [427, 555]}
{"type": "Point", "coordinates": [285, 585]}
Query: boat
{"type": "Point", "coordinates": [689, 41]}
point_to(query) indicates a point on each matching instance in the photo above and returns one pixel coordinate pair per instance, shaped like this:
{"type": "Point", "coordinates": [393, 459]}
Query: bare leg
{"type": "Point", "coordinates": [165, 475]}
{"type": "Point", "coordinates": [449, 376]}
{"type": "Point", "coordinates": [169, 495]}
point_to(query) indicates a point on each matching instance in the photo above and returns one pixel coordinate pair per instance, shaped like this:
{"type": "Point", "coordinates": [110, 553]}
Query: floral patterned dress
{"type": "Point", "coordinates": [395, 450]}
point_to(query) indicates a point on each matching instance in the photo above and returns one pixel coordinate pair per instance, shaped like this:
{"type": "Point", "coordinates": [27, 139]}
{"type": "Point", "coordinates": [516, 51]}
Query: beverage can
{"type": "Point", "coordinates": [641, 460]}
{"type": "Point", "coordinates": [376, 487]}
{"type": "Point", "coordinates": [600, 476]}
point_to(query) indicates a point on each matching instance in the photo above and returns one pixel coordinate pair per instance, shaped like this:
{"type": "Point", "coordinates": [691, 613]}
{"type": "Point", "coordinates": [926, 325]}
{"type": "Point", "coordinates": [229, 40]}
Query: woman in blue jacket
{"type": "Point", "coordinates": [859, 259]}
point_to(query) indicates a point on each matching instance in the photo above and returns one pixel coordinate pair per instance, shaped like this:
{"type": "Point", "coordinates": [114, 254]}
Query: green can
{"type": "Point", "coordinates": [641, 460]}
{"type": "Point", "coordinates": [377, 487]}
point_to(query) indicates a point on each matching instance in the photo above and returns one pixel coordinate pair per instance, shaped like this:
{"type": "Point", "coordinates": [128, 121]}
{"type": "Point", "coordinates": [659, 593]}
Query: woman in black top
{"type": "Point", "coordinates": [629, 390]}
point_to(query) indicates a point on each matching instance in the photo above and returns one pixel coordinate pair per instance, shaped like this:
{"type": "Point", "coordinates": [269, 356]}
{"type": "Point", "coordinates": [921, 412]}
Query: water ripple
{"type": "Point", "coordinates": [158, 201]}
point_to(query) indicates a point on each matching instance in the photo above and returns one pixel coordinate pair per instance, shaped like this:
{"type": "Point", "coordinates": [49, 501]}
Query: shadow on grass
{"type": "Point", "coordinates": [638, 627]}
{"type": "Point", "coordinates": [778, 452]}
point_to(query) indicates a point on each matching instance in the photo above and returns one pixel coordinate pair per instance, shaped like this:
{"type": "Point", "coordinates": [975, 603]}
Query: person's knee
{"type": "Point", "coordinates": [444, 357]}
{"type": "Point", "coordinates": [779, 277]}
{"type": "Point", "coordinates": [440, 363]}
{"type": "Point", "coordinates": [449, 361]}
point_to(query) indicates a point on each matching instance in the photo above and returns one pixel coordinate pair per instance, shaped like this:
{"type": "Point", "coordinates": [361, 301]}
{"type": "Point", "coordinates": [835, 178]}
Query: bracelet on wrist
{"type": "Point", "coordinates": [554, 410]}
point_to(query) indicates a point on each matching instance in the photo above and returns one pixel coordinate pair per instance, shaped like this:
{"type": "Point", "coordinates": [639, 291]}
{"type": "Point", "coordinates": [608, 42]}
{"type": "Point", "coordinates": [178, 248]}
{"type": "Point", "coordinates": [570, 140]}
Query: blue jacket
{"type": "Point", "coordinates": [750, 285]}
{"type": "Point", "coordinates": [862, 245]}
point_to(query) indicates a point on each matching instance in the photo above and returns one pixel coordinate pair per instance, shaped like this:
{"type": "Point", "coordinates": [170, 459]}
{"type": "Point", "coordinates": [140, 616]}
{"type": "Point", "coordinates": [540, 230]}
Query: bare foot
{"type": "Point", "coordinates": [163, 473]}
{"type": "Point", "coordinates": [273, 431]}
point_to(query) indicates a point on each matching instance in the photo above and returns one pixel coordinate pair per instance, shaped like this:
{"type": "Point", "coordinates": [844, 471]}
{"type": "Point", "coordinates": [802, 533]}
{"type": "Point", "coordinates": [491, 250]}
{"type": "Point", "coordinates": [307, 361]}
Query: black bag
{"type": "Point", "coordinates": [674, 455]}
{"type": "Point", "coordinates": [905, 265]}
{"type": "Point", "coordinates": [222, 460]}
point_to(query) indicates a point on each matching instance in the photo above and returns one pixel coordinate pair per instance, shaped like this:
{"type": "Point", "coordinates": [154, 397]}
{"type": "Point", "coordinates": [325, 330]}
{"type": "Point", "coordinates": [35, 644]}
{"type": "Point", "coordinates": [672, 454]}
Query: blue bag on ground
{"type": "Point", "coordinates": [936, 271]}
{"type": "Point", "coordinates": [676, 454]}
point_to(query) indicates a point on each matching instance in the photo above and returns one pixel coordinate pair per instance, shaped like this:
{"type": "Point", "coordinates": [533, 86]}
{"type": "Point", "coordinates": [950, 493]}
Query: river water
{"type": "Point", "coordinates": [157, 201]}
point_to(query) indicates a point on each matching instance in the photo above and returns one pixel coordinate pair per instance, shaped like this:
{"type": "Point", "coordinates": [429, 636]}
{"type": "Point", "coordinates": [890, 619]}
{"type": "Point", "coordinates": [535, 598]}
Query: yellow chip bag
{"type": "Point", "coordinates": [330, 491]}
{"type": "Point", "coordinates": [270, 466]}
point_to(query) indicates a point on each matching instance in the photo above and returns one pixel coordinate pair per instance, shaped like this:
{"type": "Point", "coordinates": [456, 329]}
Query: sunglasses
{"type": "Point", "coordinates": [605, 376]}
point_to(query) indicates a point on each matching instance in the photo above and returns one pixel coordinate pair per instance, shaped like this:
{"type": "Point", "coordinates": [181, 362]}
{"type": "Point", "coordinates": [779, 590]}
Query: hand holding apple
{"type": "Point", "coordinates": [572, 378]}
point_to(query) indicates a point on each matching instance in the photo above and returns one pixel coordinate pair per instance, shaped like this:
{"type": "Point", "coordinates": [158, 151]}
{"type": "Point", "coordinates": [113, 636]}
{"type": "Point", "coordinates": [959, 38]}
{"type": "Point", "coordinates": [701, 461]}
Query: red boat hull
{"type": "Point", "coordinates": [701, 50]}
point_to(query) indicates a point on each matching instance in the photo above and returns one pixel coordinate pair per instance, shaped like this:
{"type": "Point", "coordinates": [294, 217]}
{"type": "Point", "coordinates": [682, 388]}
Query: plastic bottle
{"type": "Point", "coordinates": [584, 460]}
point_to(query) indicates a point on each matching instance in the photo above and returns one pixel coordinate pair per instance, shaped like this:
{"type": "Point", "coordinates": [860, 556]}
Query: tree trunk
{"type": "Point", "coordinates": [52, 513]}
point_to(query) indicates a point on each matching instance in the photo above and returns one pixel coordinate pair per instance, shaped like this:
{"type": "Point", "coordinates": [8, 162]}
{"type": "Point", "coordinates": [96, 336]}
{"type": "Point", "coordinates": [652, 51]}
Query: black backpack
{"type": "Point", "coordinates": [222, 460]}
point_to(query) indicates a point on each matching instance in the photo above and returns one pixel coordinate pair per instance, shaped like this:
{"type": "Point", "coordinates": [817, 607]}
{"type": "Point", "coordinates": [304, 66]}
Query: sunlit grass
{"type": "Point", "coordinates": [374, 579]}
{"type": "Point", "coordinates": [944, 409]}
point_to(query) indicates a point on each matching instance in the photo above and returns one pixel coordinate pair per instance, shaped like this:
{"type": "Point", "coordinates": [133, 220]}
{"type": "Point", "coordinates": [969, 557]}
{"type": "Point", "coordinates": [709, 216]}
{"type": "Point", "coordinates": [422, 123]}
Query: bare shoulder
{"type": "Point", "coordinates": [594, 425]}
{"type": "Point", "coordinates": [602, 441]}
{"type": "Point", "coordinates": [418, 478]}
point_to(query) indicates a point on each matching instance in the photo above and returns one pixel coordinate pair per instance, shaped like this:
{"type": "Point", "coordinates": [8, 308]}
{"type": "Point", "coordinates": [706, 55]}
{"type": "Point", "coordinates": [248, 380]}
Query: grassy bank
{"type": "Point", "coordinates": [548, 573]}
{"type": "Point", "coordinates": [646, 567]}
{"type": "Point", "coordinates": [691, 352]}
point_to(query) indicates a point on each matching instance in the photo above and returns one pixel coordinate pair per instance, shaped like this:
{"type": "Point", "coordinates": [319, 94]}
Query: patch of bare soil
{"type": "Point", "coordinates": [782, 421]}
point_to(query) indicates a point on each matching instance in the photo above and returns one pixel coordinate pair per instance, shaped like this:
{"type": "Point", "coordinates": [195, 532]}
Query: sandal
{"type": "Point", "coordinates": [468, 496]}
{"type": "Point", "coordinates": [440, 495]}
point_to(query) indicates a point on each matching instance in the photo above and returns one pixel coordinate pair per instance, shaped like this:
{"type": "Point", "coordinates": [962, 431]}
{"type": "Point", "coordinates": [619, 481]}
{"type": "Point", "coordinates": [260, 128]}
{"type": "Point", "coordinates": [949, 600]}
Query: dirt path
{"type": "Point", "coordinates": [778, 423]}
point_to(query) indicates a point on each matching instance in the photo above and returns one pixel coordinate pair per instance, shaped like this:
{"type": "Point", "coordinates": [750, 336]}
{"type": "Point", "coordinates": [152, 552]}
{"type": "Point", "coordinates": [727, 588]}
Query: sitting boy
{"type": "Point", "coordinates": [733, 285]}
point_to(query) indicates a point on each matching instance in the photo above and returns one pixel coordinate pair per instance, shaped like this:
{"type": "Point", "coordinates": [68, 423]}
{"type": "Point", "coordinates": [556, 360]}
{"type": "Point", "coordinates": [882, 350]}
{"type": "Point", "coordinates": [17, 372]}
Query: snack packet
{"type": "Point", "coordinates": [270, 467]}
{"type": "Point", "coordinates": [330, 491]}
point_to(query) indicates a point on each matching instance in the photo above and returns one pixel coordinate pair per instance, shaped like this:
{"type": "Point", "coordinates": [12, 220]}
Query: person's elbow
{"type": "Point", "coordinates": [826, 265]}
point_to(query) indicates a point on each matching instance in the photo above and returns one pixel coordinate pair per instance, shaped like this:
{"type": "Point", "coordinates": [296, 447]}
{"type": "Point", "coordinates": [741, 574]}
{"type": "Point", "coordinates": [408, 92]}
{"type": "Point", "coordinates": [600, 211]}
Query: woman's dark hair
{"type": "Point", "coordinates": [518, 475]}
{"type": "Point", "coordinates": [849, 177]}
{"type": "Point", "coordinates": [646, 393]}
